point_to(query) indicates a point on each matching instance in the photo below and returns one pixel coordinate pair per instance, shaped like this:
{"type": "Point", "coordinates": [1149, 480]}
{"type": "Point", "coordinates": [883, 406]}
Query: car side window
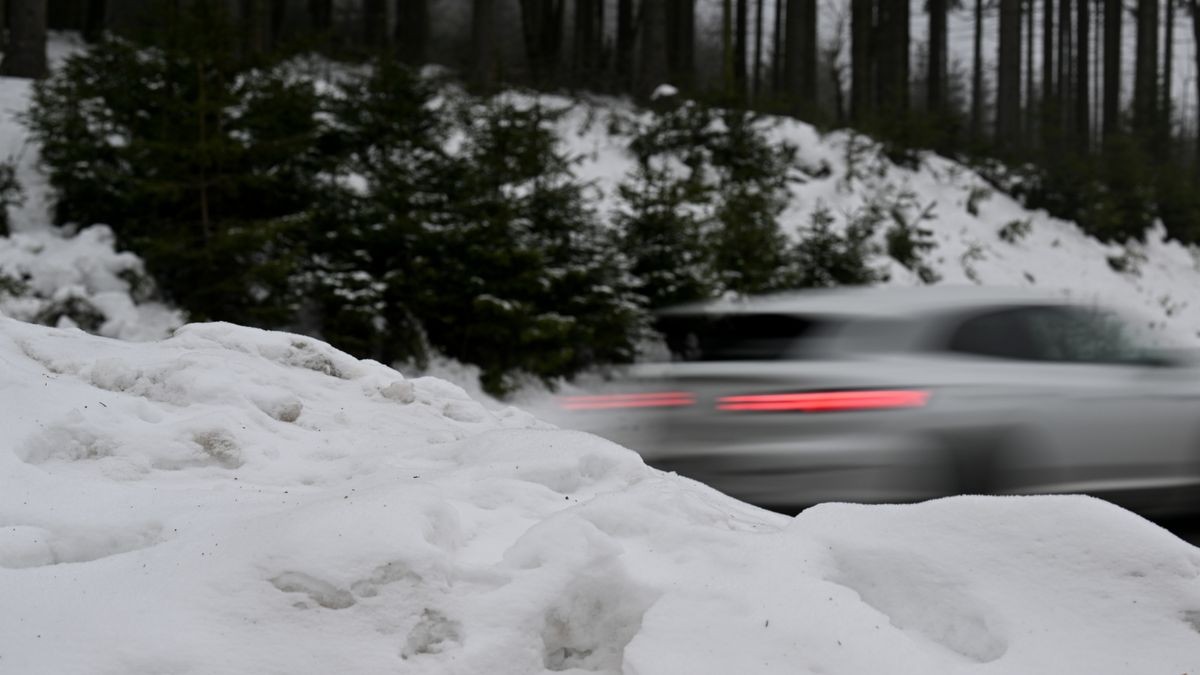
{"type": "Point", "coordinates": [1002, 334]}
{"type": "Point", "coordinates": [1048, 334]}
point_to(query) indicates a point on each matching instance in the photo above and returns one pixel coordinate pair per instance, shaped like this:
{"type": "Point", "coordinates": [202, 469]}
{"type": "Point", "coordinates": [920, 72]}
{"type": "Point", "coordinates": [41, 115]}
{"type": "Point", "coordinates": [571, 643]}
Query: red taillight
{"type": "Point", "coordinates": [665, 399]}
{"type": "Point", "coordinates": [827, 401]}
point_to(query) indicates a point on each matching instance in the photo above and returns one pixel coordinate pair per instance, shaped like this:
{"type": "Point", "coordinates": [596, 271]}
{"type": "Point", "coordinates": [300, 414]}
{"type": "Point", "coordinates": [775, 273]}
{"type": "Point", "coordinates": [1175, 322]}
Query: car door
{"type": "Point", "coordinates": [1089, 412]}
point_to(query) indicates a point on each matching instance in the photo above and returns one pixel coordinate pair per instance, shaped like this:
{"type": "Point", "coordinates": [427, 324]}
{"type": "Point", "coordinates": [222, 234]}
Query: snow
{"type": "Point", "coordinates": [240, 501]}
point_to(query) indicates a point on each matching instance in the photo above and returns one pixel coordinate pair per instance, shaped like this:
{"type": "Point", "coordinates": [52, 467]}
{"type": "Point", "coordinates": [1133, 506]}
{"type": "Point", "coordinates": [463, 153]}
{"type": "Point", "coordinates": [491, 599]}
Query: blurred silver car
{"type": "Point", "coordinates": [885, 395]}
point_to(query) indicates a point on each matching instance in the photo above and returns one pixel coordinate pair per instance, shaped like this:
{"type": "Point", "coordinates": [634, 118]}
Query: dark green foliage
{"type": "Point", "coordinates": [10, 194]}
{"type": "Point", "coordinates": [371, 232]}
{"type": "Point", "coordinates": [202, 165]}
{"type": "Point", "coordinates": [824, 258]}
{"type": "Point", "coordinates": [701, 212]}
{"type": "Point", "coordinates": [752, 175]}
{"type": "Point", "coordinates": [524, 251]}
{"type": "Point", "coordinates": [1015, 231]}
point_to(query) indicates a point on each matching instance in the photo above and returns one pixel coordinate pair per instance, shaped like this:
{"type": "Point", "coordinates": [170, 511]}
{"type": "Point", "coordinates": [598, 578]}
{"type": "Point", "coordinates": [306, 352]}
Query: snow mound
{"type": "Point", "coordinates": [80, 281]}
{"type": "Point", "coordinates": [240, 501]}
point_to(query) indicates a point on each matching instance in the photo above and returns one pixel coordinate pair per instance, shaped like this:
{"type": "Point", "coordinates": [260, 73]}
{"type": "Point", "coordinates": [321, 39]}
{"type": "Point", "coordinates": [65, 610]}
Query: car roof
{"type": "Point", "coordinates": [867, 302]}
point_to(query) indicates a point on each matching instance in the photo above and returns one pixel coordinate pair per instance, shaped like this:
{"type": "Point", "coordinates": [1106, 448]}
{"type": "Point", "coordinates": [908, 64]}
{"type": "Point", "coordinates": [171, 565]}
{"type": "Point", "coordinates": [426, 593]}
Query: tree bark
{"type": "Point", "coordinates": [1195, 7]}
{"type": "Point", "coordinates": [484, 57]}
{"type": "Point", "coordinates": [320, 15]}
{"type": "Point", "coordinates": [758, 43]}
{"type": "Point", "coordinates": [412, 31]}
{"type": "Point", "coordinates": [1168, 72]}
{"type": "Point", "coordinates": [1145, 80]}
{"type": "Point", "coordinates": [1047, 59]}
{"type": "Point", "coordinates": [95, 20]}
{"type": "Point", "coordinates": [977, 74]}
{"type": "Point", "coordinates": [374, 17]}
{"type": "Point", "coordinates": [541, 24]}
{"type": "Point", "coordinates": [1082, 130]}
{"type": "Point", "coordinates": [862, 66]}
{"type": "Point", "coordinates": [1008, 81]}
{"type": "Point", "coordinates": [25, 54]}
{"type": "Point", "coordinates": [653, 69]}
{"type": "Point", "coordinates": [1113, 16]}
{"type": "Point", "coordinates": [681, 41]}
{"type": "Point", "coordinates": [739, 49]}
{"type": "Point", "coordinates": [626, 31]}
{"type": "Point", "coordinates": [935, 78]}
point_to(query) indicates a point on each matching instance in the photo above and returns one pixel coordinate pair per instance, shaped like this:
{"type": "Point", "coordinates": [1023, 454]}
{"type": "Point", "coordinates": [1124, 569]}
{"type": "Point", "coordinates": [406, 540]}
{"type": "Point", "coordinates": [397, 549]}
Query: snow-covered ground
{"type": "Point", "coordinates": [238, 501]}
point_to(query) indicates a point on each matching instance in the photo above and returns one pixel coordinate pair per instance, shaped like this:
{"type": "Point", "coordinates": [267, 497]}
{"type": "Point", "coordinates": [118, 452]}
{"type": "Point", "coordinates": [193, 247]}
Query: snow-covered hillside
{"type": "Point", "coordinates": [983, 235]}
{"type": "Point", "coordinates": [238, 501]}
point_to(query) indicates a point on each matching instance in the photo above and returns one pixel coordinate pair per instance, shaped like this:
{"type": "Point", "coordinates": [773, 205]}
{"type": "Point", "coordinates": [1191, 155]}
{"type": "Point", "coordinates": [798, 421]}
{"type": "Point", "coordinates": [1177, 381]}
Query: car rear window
{"type": "Point", "coordinates": [738, 337]}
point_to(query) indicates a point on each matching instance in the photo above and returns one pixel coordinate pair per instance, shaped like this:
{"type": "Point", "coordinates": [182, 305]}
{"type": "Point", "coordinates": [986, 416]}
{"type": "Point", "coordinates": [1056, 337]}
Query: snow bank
{"type": "Point", "coordinates": [238, 501]}
{"type": "Point", "coordinates": [80, 281]}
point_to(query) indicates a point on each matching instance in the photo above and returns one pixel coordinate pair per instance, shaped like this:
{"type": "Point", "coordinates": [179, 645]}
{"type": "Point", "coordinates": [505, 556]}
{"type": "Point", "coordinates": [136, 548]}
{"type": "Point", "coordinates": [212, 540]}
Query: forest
{"type": "Point", "coordinates": [384, 174]}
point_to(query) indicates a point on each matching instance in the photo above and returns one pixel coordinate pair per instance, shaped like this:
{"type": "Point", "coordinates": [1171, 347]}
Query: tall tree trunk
{"type": "Point", "coordinates": [320, 15]}
{"type": "Point", "coordinates": [800, 55]}
{"type": "Point", "coordinates": [1008, 80]}
{"type": "Point", "coordinates": [541, 27]}
{"type": "Point", "coordinates": [977, 74]}
{"type": "Point", "coordinates": [25, 54]}
{"type": "Point", "coordinates": [586, 48]}
{"type": "Point", "coordinates": [255, 26]}
{"type": "Point", "coordinates": [412, 31]}
{"type": "Point", "coordinates": [892, 58]}
{"type": "Point", "coordinates": [935, 78]}
{"type": "Point", "coordinates": [1064, 89]}
{"type": "Point", "coordinates": [1168, 73]}
{"type": "Point", "coordinates": [1030, 88]}
{"type": "Point", "coordinates": [1048, 73]}
{"type": "Point", "coordinates": [739, 49]}
{"type": "Point", "coordinates": [862, 66]}
{"type": "Point", "coordinates": [681, 40]}
{"type": "Point", "coordinates": [374, 17]}
{"type": "Point", "coordinates": [1195, 7]}
{"type": "Point", "coordinates": [626, 31]}
{"type": "Point", "coordinates": [777, 51]}
{"type": "Point", "coordinates": [808, 59]}
{"type": "Point", "coordinates": [652, 69]}
{"type": "Point", "coordinates": [1145, 70]}
{"type": "Point", "coordinates": [1113, 17]}
{"type": "Point", "coordinates": [758, 44]}
{"type": "Point", "coordinates": [727, 77]}
{"type": "Point", "coordinates": [485, 61]}
{"type": "Point", "coordinates": [95, 20]}
{"type": "Point", "coordinates": [1083, 81]}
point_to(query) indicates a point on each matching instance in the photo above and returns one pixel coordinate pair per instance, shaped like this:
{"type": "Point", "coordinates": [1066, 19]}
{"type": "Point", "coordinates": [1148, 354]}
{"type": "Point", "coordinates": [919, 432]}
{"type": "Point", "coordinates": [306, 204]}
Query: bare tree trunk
{"type": "Point", "coordinates": [1195, 7]}
{"type": "Point", "coordinates": [412, 31]}
{"type": "Point", "coordinates": [739, 49]}
{"type": "Point", "coordinates": [25, 55]}
{"type": "Point", "coordinates": [1113, 16]}
{"type": "Point", "coordinates": [95, 20]}
{"type": "Point", "coordinates": [626, 31]}
{"type": "Point", "coordinates": [728, 78]}
{"type": "Point", "coordinates": [1030, 89]}
{"type": "Point", "coordinates": [484, 58]}
{"type": "Point", "coordinates": [977, 74]}
{"type": "Point", "coordinates": [1145, 81]}
{"type": "Point", "coordinates": [1064, 88]}
{"type": "Point", "coordinates": [1083, 53]}
{"type": "Point", "coordinates": [374, 17]}
{"type": "Point", "coordinates": [681, 40]}
{"type": "Point", "coordinates": [862, 73]}
{"type": "Point", "coordinates": [1008, 82]}
{"type": "Point", "coordinates": [1168, 57]}
{"type": "Point", "coordinates": [758, 43]}
{"type": "Point", "coordinates": [935, 85]}
{"type": "Point", "coordinates": [777, 51]}
{"type": "Point", "coordinates": [541, 24]}
{"type": "Point", "coordinates": [653, 70]}
{"type": "Point", "coordinates": [320, 15]}
{"type": "Point", "coordinates": [1047, 63]}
